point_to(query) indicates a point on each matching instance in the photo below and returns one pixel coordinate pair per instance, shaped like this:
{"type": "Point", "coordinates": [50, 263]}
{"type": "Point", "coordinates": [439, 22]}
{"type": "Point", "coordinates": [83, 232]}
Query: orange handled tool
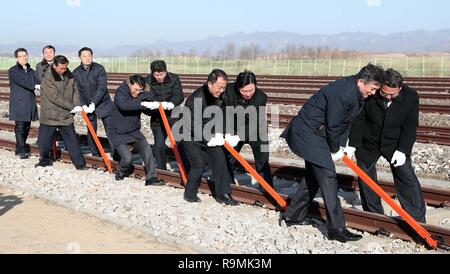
{"type": "Point", "coordinates": [172, 142]}
{"type": "Point", "coordinates": [380, 192]}
{"type": "Point", "coordinates": [97, 142]}
{"type": "Point", "coordinates": [255, 174]}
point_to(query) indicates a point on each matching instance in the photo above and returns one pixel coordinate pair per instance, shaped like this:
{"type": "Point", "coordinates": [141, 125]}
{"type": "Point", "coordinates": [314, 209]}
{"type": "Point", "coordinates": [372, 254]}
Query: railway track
{"type": "Point", "coordinates": [433, 196]}
{"type": "Point", "coordinates": [293, 101]}
{"type": "Point", "coordinates": [356, 219]}
{"type": "Point", "coordinates": [428, 88]}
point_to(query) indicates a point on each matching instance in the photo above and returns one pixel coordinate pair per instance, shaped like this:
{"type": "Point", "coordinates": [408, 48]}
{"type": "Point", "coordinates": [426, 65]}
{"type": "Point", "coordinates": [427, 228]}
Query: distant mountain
{"type": "Point", "coordinates": [414, 41]}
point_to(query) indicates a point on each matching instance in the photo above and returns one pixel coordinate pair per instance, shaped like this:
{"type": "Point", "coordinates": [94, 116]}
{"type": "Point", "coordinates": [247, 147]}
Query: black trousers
{"type": "Point", "coordinates": [107, 123]}
{"type": "Point", "coordinates": [261, 159]}
{"type": "Point", "coordinates": [21, 131]}
{"type": "Point", "coordinates": [126, 160]}
{"type": "Point", "coordinates": [71, 142]}
{"type": "Point", "coordinates": [407, 188]}
{"type": "Point", "coordinates": [159, 148]}
{"type": "Point", "coordinates": [196, 153]}
{"type": "Point", "coordinates": [317, 177]}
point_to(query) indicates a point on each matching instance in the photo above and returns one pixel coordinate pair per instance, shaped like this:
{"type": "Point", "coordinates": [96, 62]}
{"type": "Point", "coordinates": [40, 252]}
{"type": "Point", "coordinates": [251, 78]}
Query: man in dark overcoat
{"type": "Point", "coordinates": [129, 103]}
{"type": "Point", "coordinates": [22, 100]}
{"type": "Point", "coordinates": [166, 89]}
{"type": "Point", "coordinates": [248, 104]}
{"type": "Point", "coordinates": [206, 138]}
{"type": "Point", "coordinates": [49, 54]}
{"type": "Point", "coordinates": [91, 80]}
{"type": "Point", "coordinates": [318, 134]}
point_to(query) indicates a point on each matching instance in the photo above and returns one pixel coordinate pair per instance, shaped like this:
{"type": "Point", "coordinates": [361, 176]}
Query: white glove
{"type": "Point", "coordinates": [85, 108]}
{"type": "Point", "coordinates": [37, 87]}
{"type": "Point", "coordinates": [91, 107]}
{"type": "Point", "coordinates": [398, 159]}
{"type": "Point", "coordinates": [217, 140]}
{"type": "Point", "coordinates": [338, 155]}
{"type": "Point", "coordinates": [167, 105]}
{"type": "Point", "coordinates": [233, 140]}
{"type": "Point", "coordinates": [76, 109]}
{"type": "Point", "coordinates": [150, 105]}
{"type": "Point", "coordinates": [350, 151]}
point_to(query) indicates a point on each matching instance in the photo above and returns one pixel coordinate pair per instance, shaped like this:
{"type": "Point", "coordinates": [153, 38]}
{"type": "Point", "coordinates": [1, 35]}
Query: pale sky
{"type": "Point", "coordinates": [107, 23]}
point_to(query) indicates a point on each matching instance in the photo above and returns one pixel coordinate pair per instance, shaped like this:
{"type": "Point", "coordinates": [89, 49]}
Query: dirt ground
{"type": "Point", "coordinates": [32, 225]}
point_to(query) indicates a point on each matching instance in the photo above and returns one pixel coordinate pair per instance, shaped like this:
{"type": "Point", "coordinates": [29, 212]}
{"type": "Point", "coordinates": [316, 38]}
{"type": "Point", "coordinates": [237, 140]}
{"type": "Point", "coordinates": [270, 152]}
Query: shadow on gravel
{"type": "Point", "coordinates": [8, 202]}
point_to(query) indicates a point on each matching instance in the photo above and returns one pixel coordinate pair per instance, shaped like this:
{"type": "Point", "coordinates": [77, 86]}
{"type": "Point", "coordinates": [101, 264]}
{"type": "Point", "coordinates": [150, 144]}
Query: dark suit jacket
{"type": "Point", "coordinates": [22, 100]}
{"type": "Point", "coordinates": [93, 87]}
{"type": "Point", "coordinates": [382, 131]}
{"type": "Point", "coordinates": [169, 90]}
{"type": "Point", "coordinates": [232, 97]}
{"type": "Point", "coordinates": [197, 103]}
{"type": "Point", "coordinates": [126, 115]}
{"type": "Point", "coordinates": [323, 123]}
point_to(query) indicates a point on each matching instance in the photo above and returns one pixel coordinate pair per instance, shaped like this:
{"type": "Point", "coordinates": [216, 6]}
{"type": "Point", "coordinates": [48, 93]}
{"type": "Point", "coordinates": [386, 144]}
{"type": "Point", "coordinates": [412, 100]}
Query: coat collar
{"type": "Point", "coordinates": [153, 80]}
{"type": "Point", "coordinates": [87, 68]}
{"type": "Point", "coordinates": [255, 100]}
{"type": "Point", "coordinates": [57, 77]}
{"type": "Point", "coordinates": [397, 100]}
{"type": "Point", "coordinates": [21, 67]}
{"type": "Point", "coordinates": [45, 63]}
{"type": "Point", "coordinates": [209, 98]}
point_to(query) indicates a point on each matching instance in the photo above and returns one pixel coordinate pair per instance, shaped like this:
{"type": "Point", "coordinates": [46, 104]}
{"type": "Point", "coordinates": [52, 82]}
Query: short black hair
{"type": "Point", "coordinates": [16, 52]}
{"type": "Point", "coordinates": [215, 74]}
{"type": "Point", "coordinates": [371, 73]}
{"type": "Point", "coordinates": [49, 47]}
{"type": "Point", "coordinates": [158, 66]}
{"type": "Point", "coordinates": [245, 78]}
{"type": "Point", "coordinates": [84, 49]}
{"type": "Point", "coordinates": [60, 59]}
{"type": "Point", "coordinates": [393, 78]}
{"type": "Point", "coordinates": [137, 79]}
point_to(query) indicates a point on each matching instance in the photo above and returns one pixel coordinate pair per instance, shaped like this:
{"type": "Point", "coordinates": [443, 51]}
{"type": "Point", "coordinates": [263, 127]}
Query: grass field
{"type": "Point", "coordinates": [438, 66]}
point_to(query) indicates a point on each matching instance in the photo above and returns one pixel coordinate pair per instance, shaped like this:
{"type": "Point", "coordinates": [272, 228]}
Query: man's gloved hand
{"type": "Point", "coordinates": [233, 140]}
{"type": "Point", "coordinates": [91, 107]}
{"type": "Point", "coordinates": [167, 105]}
{"type": "Point", "coordinates": [150, 105]}
{"type": "Point", "coordinates": [338, 155]}
{"type": "Point", "coordinates": [76, 109]}
{"type": "Point", "coordinates": [350, 151]}
{"type": "Point", "coordinates": [217, 140]}
{"type": "Point", "coordinates": [398, 159]}
{"type": "Point", "coordinates": [37, 87]}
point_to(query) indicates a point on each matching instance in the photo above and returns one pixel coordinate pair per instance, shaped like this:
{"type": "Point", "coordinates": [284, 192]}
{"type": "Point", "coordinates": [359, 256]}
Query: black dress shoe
{"type": "Point", "coordinates": [120, 176]}
{"type": "Point", "coordinates": [196, 199]}
{"type": "Point", "coordinates": [227, 199]}
{"type": "Point", "coordinates": [291, 222]}
{"type": "Point", "coordinates": [82, 168]}
{"type": "Point", "coordinates": [342, 235]}
{"type": "Point", "coordinates": [154, 182]}
{"type": "Point", "coordinates": [43, 164]}
{"type": "Point", "coordinates": [25, 155]}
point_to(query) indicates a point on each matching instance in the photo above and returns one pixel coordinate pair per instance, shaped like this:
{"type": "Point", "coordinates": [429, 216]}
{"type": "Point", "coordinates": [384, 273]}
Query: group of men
{"type": "Point", "coordinates": [372, 113]}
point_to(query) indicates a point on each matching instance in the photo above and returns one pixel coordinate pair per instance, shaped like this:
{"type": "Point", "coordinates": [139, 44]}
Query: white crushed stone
{"type": "Point", "coordinates": [241, 229]}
